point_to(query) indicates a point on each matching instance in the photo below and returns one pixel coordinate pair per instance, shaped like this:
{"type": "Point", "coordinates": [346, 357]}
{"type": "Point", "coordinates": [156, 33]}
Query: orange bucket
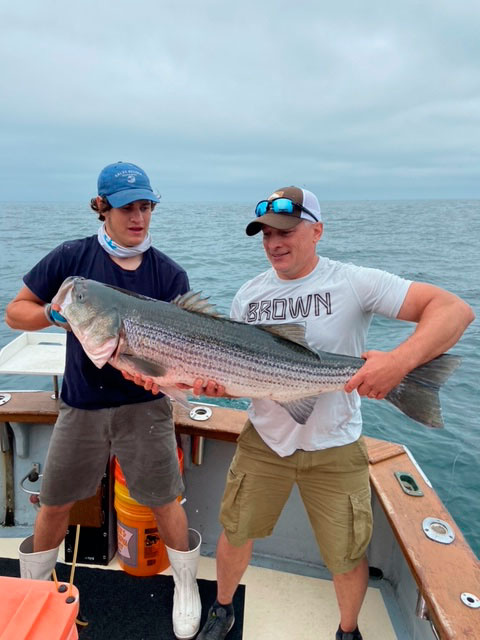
{"type": "Point", "coordinates": [34, 609]}
{"type": "Point", "coordinates": [121, 478]}
{"type": "Point", "coordinates": [141, 552]}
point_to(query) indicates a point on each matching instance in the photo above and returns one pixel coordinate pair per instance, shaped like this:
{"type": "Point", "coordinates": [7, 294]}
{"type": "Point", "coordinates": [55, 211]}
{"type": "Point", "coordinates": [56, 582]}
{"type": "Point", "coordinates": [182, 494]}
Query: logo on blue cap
{"type": "Point", "coordinates": [123, 182]}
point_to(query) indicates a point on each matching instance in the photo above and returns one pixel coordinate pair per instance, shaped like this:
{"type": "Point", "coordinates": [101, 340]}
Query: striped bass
{"type": "Point", "coordinates": [186, 339]}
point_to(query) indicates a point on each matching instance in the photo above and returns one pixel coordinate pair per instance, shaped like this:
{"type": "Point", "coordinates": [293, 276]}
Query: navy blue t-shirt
{"type": "Point", "coordinates": [84, 385]}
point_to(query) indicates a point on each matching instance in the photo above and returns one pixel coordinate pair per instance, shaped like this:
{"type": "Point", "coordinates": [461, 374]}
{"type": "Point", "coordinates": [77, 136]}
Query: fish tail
{"type": "Point", "coordinates": [417, 395]}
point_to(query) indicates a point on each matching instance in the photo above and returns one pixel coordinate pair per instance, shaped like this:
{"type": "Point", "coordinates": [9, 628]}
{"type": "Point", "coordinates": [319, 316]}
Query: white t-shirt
{"type": "Point", "coordinates": [335, 302]}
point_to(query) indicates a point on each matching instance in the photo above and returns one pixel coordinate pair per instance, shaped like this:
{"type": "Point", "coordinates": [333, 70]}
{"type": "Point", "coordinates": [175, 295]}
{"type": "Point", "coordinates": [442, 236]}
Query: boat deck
{"type": "Point", "coordinates": [280, 605]}
{"type": "Point", "coordinates": [288, 582]}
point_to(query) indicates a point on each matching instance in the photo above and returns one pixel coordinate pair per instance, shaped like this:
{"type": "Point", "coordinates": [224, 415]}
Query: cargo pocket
{"type": "Point", "coordinates": [361, 523]}
{"type": "Point", "coordinates": [230, 508]}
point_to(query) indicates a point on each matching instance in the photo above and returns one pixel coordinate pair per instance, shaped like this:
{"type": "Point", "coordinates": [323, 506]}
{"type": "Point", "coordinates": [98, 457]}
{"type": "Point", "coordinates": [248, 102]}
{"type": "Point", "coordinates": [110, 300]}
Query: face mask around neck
{"type": "Point", "coordinates": [118, 251]}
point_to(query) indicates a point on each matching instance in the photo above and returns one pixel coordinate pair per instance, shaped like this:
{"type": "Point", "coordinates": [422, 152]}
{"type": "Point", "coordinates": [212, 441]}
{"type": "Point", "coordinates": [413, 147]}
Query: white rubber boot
{"type": "Point", "coordinates": [187, 607]}
{"type": "Point", "coordinates": [36, 566]}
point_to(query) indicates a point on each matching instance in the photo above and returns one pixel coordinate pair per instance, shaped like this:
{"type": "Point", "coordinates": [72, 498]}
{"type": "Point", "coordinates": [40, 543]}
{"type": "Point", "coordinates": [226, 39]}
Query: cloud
{"type": "Point", "coordinates": [220, 99]}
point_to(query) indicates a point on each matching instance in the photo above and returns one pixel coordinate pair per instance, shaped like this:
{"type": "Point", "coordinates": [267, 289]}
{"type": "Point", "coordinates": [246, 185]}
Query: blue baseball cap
{"type": "Point", "coordinates": [122, 182]}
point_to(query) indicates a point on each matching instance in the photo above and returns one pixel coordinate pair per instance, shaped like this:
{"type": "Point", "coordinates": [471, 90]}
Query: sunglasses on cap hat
{"type": "Point", "coordinates": [284, 206]}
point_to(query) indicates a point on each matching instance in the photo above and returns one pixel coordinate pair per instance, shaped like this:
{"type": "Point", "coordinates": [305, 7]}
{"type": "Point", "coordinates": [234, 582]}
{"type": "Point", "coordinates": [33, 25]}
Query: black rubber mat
{"type": "Point", "coordinates": [119, 606]}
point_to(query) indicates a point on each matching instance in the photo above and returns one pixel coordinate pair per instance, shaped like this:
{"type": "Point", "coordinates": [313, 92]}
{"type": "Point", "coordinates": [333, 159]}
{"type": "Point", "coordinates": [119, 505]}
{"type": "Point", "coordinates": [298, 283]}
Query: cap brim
{"type": "Point", "coordinates": [275, 220]}
{"type": "Point", "coordinates": [121, 198]}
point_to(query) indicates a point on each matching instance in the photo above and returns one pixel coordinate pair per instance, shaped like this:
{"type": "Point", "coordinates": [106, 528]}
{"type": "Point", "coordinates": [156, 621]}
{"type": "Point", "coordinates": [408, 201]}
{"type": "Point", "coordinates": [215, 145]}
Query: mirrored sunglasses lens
{"type": "Point", "coordinates": [261, 208]}
{"type": "Point", "coordinates": [282, 205]}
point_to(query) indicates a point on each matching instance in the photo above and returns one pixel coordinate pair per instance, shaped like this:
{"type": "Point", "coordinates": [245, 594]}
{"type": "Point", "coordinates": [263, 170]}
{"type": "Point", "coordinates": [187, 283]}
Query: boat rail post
{"type": "Point", "coordinates": [6, 447]}
{"type": "Point", "coordinates": [199, 413]}
{"type": "Point", "coordinates": [421, 611]}
{"type": "Point", "coordinates": [55, 394]}
{"type": "Point", "coordinates": [197, 449]}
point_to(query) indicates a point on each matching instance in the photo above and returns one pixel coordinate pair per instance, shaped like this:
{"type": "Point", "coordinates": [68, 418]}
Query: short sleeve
{"type": "Point", "coordinates": [180, 285]}
{"type": "Point", "coordinates": [236, 309]}
{"type": "Point", "coordinates": [378, 291]}
{"type": "Point", "coordinates": [46, 277]}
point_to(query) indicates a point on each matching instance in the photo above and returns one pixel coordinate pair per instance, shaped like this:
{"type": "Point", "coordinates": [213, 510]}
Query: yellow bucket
{"type": "Point", "coordinates": [141, 552]}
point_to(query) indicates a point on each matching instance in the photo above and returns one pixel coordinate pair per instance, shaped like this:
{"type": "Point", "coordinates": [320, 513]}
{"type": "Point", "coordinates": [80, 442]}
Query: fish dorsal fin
{"type": "Point", "coordinates": [294, 332]}
{"type": "Point", "coordinates": [193, 301]}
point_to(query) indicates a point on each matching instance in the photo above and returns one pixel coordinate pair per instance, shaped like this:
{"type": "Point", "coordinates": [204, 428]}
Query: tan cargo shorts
{"type": "Point", "coordinates": [334, 486]}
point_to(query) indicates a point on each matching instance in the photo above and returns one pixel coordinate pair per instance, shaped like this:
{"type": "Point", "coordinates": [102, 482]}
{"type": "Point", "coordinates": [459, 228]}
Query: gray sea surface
{"type": "Point", "coordinates": [433, 241]}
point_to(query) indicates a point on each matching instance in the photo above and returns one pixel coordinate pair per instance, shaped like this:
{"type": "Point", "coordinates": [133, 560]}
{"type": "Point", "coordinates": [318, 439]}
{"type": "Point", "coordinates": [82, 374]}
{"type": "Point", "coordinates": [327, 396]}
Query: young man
{"type": "Point", "coordinates": [101, 412]}
{"type": "Point", "coordinates": [326, 456]}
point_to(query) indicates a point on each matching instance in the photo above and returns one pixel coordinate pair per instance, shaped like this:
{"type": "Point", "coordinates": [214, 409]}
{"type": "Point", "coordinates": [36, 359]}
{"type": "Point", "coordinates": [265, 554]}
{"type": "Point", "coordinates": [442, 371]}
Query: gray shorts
{"type": "Point", "coordinates": [141, 435]}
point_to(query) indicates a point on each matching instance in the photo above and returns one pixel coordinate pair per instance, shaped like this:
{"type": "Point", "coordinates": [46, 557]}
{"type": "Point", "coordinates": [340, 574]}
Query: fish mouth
{"type": "Point", "coordinates": [63, 297]}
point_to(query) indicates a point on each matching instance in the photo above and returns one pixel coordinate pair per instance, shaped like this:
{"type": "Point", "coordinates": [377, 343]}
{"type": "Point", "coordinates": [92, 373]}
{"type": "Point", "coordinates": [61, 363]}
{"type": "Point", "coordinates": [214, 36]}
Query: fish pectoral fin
{"type": "Point", "coordinates": [300, 409]}
{"type": "Point", "coordinates": [178, 395]}
{"type": "Point", "coordinates": [99, 354]}
{"type": "Point", "coordinates": [292, 332]}
{"type": "Point", "coordinates": [144, 367]}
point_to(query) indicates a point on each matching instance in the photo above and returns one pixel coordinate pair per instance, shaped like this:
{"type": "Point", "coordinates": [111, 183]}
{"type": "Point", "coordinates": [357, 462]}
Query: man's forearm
{"type": "Point", "coordinates": [26, 316]}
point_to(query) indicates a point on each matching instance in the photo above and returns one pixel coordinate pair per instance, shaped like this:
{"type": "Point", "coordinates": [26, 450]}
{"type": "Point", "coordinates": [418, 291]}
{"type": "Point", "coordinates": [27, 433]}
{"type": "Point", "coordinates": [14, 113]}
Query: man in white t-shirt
{"type": "Point", "coordinates": [326, 457]}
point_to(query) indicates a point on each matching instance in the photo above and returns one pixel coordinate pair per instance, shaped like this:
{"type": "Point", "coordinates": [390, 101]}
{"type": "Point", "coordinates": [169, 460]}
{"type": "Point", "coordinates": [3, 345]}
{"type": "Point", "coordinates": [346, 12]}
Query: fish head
{"type": "Point", "coordinates": [91, 312]}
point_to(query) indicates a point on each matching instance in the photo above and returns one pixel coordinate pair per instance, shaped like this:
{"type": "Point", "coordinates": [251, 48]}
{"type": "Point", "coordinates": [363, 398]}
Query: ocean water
{"type": "Point", "coordinates": [432, 241]}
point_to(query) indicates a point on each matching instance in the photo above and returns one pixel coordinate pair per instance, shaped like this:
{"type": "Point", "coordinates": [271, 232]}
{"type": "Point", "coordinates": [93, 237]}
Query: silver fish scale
{"type": "Point", "coordinates": [186, 352]}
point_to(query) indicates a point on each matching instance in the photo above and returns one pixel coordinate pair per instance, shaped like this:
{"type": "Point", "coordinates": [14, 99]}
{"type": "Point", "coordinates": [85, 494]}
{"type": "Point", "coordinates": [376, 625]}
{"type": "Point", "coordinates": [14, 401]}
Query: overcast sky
{"type": "Point", "coordinates": [219, 100]}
